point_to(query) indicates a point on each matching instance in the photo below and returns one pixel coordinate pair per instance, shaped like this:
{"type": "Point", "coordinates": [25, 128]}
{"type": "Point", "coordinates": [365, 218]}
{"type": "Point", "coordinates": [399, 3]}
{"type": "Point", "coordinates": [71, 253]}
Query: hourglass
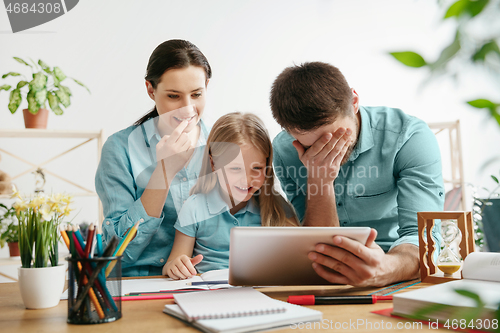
{"type": "Point", "coordinates": [449, 260]}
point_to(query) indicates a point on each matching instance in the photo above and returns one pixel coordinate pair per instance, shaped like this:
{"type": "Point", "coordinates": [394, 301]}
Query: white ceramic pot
{"type": "Point", "coordinates": [41, 288]}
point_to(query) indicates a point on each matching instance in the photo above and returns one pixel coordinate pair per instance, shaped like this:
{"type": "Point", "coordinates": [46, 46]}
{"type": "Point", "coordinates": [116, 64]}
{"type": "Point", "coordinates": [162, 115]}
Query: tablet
{"type": "Point", "coordinates": [277, 256]}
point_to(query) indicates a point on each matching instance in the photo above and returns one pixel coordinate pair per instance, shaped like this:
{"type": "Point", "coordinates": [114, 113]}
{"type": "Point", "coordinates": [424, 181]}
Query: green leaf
{"type": "Point", "coordinates": [43, 65]}
{"type": "Point", "coordinates": [456, 9]}
{"type": "Point", "coordinates": [65, 89]}
{"type": "Point", "coordinates": [80, 83]}
{"type": "Point", "coordinates": [481, 103]}
{"type": "Point", "coordinates": [476, 7]}
{"type": "Point", "coordinates": [22, 61]}
{"type": "Point", "coordinates": [14, 100]}
{"type": "Point", "coordinates": [447, 53]}
{"type": "Point", "coordinates": [21, 84]}
{"type": "Point", "coordinates": [471, 295]}
{"type": "Point", "coordinates": [495, 115]}
{"type": "Point", "coordinates": [495, 179]}
{"type": "Point", "coordinates": [41, 97]}
{"type": "Point", "coordinates": [39, 81]}
{"type": "Point", "coordinates": [410, 59]}
{"type": "Point", "coordinates": [11, 74]}
{"type": "Point", "coordinates": [63, 98]}
{"type": "Point", "coordinates": [32, 104]}
{"type": "Point", "coordinates": [5, 87]}
{"type": "Point", "coordinates": [491, 46]}
{"type": "Point", "coordinates": [54, 103]}
{"type": "Point", "coordinates": [59, 74]}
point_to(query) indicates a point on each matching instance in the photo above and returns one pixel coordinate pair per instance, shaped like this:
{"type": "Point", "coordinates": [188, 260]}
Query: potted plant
{"type": "Point", "coordinates": [41, 278]}
{"type": "Point", "coordinates": [44, 85]}
{"type": "Point", "coordinates": [486, 213]}
{"type": "Point", "coordinates": [9, 230]}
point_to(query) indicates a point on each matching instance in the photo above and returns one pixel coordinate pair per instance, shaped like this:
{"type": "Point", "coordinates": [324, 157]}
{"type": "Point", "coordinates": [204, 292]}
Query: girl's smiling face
{"type": "Point", "coordinates": [180, 95]}
{"type": "Point", "coordinates": [243, 176]}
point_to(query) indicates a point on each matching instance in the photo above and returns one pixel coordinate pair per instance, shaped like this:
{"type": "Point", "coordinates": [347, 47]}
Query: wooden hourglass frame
{"type": "Point", "coordinates": [427, 246]}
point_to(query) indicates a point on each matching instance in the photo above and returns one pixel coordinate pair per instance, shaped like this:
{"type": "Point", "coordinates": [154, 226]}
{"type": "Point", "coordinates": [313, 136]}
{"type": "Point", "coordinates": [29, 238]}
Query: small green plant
{"type": "Point", "coordinates": [39, 220]}
{"type": "Point", "coordinates": [479, 204]}
{"type": "Point", "coordinates": [8, 225]}
{"type": "Point", "coordinates": [44, 85]}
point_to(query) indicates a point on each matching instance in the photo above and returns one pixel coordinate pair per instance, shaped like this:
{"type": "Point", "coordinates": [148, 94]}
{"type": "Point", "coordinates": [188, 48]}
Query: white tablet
{"type": "Point", "coordinates": [277, 256]}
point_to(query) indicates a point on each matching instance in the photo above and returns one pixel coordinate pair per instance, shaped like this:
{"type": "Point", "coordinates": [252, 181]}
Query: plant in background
{"type": "Point", "coordinates": [44, 85]}
{"type": "Point", "coordinates": [479, 204]}
{"type": "Point", "coordinates": [39, 219]}
{"type": "Point", "coordinates": [8, 225]}
{"type": "Point", "coordinates": [472, 43]}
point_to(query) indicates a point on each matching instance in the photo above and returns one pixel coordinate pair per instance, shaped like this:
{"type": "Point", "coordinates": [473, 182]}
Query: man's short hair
{"type": "Point", "coordinates": [308, 96]}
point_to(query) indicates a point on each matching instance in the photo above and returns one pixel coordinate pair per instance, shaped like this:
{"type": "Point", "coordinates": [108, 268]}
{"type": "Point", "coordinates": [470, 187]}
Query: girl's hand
{"type": "Point", "coordinates": [173, 150]}
{"type": "Point", "coordinates": [182, 267]}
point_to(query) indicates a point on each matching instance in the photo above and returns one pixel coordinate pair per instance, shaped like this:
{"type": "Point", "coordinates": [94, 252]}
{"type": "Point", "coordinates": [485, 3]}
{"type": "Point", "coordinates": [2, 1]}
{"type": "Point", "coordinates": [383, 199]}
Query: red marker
{"type": "Point", "coordinates": [325, 300]}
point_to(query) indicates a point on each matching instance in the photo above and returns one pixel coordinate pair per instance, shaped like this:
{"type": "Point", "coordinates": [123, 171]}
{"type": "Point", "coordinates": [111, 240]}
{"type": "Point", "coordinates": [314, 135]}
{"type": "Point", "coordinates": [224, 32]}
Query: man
{"type": "Point", "coordinates": [342, 164]}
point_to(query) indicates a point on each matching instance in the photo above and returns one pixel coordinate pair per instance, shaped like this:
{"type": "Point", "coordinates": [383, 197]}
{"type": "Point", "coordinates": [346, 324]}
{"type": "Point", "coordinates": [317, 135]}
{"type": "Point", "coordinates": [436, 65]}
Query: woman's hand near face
{"type": "Point", "coordinates": [173, 151]}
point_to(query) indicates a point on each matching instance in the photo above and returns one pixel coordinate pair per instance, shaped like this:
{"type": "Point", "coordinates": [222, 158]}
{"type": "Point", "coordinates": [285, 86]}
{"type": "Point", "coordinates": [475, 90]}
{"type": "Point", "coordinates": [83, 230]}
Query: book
{"type": "Point", "coordinates": [293, 314]}
{"type": "Point", "coordinates": [141, 287]}
{"type": "Point", "coordinates": [225, 303]}
{"type": "Point", "coordinates": [481, 276]}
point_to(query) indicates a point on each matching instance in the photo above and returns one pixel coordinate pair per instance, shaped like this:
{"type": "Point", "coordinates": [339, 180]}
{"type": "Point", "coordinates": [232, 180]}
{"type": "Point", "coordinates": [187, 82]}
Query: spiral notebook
{"type": "Point", "coordinates": [293, 314]}
{"type": "Point", "coordinates": [226, 303]}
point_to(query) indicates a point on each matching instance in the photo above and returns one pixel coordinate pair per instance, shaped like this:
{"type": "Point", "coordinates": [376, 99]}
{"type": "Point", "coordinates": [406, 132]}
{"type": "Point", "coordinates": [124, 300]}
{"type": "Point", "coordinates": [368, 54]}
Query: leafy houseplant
{"type": "Point", "coordinates": [39, 217]}
{"type": "Point", "coordinates": [8, 228]}
{"type": "Point", "coordinates": [44, 85]}
{"type": "Point", "coordinates": [485, 214]}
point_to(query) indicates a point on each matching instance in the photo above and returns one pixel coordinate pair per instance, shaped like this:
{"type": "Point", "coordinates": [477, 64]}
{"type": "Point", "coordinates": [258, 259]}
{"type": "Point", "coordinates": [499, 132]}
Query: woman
{"type": "Point", "coordinates": [147, 170]}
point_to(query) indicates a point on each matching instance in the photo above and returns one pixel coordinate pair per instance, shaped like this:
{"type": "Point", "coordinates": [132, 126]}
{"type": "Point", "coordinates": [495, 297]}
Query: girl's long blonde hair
{"type": "Point", "coordinates": [239, 129]}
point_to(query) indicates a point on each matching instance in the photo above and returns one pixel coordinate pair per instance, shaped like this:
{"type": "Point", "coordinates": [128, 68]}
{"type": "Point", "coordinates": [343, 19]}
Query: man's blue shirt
{"type": "Point", "coordinates": [393, 172]}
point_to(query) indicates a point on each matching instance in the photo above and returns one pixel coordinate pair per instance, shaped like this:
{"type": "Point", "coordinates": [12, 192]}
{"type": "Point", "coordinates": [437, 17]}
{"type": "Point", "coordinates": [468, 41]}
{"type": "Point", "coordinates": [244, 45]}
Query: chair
{"type": "Point", "coordinates": [455, 199]}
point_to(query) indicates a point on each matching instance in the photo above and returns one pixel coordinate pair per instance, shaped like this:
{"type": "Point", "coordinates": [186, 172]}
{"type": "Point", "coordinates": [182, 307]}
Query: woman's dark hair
{"type": "Point", "coordinates": [172, 54]}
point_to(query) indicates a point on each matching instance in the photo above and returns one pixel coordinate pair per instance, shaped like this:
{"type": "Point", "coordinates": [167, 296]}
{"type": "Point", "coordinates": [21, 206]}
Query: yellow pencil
{"type": "Point", "coordinates": [123, 246]}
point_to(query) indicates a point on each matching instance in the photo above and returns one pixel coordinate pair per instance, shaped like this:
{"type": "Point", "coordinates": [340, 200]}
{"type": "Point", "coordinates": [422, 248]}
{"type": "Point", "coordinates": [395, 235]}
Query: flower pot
{"type": "Point", "coordinates": [41, 288]}
{"type": "Point", "coordinates": [38, 120]}
{"type": "Point", "coordinates": [14, 249]}
{"type": "Point", "coordinates": [491, 225]}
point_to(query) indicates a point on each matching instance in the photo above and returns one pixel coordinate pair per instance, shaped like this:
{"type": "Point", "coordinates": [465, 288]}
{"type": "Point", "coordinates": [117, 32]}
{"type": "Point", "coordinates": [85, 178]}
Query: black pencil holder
{"type": "Point", "coordinates": [93, 297]}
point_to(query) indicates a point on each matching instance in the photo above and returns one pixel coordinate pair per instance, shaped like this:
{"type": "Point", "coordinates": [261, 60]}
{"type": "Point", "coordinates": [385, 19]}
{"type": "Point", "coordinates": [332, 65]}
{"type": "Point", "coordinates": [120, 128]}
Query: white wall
{"type": "Point", "coordinates": [106, 45]}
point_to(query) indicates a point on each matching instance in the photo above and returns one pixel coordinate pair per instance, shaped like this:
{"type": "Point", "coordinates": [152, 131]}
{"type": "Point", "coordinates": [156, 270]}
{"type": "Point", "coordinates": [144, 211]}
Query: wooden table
{"type": "Point", "coordinates": [147, 316]}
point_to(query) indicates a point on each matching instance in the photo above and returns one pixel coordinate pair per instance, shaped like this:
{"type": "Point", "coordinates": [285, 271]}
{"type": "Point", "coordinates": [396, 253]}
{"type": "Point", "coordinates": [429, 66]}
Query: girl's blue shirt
{"type": "Point", "coordinates": [206, 217]}
{"type": "Point", "coordinates": [127, 162]}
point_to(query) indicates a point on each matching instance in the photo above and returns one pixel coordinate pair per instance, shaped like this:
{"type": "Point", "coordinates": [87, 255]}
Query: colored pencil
{"type": "Point", "coordinates": [124, 245]}
{"type": "Point", "coordinates": [81, 296]}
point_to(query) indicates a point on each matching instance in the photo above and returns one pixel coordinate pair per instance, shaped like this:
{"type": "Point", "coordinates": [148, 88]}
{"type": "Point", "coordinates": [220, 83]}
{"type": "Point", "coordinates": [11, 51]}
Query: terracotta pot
{"type": "Point", "coordinates": [38, 120]}
{"type": "Point", "coordinates": [14, 249]}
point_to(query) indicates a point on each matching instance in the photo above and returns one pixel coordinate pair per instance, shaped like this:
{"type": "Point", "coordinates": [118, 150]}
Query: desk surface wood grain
{"type": "Point", "coordinates": [147, 316]}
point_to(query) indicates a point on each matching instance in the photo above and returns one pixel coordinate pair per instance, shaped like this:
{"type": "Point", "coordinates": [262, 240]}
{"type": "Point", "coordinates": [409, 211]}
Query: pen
{"type": "Point", "coordinates": [200, 283]}
{"type": "Point", "coordinates": [146, 297]}
{"type": "Point", "coordinates": [324, 300]}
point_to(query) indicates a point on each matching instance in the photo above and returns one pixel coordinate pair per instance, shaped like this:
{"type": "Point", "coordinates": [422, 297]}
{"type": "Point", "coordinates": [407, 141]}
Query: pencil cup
{"type": "Point", "coordinates": [94, 297]}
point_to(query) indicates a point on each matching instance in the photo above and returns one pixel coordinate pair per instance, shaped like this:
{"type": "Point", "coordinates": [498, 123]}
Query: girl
{"type": "Point", "coordinates": [235, 188]}
{"type": "Point", "coordinates": [147, 169]}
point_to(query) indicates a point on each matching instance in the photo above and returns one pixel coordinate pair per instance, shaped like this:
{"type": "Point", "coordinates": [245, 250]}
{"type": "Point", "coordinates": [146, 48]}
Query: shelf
{"type": "Point", "coordinates": [96, 135]}
{"type": "Point", "coordinates": [44, 133]}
